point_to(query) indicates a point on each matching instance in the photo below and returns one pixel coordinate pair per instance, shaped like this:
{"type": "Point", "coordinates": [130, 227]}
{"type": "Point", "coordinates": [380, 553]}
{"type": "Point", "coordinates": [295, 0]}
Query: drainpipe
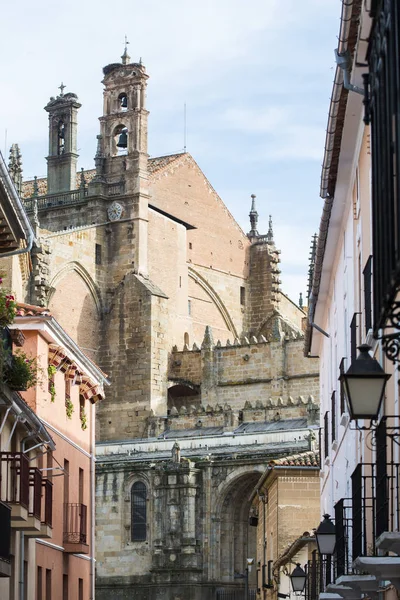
{"type": "Point", "coordinates": [92, 506]}
{"type": "Point", "coordinates": [343, 62]}
{"type": "Point", "coordinates": [15, 200]}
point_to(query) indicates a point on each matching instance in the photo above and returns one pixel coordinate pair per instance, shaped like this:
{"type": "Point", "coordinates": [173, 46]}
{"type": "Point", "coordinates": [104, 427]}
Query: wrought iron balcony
{"type": "Point", "coordinates": [14, 482]}
{"type": "Point", "coordinates": [75, 528]}
{"type": "Point", "coordinates": [35, 495]}
{"type": "Point", "coordinates": [47, 509]}
{"type": "Point", "coordinates": [320, 573]}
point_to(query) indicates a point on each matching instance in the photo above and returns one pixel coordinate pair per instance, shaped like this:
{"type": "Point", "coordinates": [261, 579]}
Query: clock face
{"type": "Point", "coordinates": [114, 211]}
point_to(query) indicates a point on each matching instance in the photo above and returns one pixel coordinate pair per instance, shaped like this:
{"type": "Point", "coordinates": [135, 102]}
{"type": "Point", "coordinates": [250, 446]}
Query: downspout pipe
{"type": "Point", "coordinates": [15, 200]}
{"type": "Point", "coordinates": [343, 62]}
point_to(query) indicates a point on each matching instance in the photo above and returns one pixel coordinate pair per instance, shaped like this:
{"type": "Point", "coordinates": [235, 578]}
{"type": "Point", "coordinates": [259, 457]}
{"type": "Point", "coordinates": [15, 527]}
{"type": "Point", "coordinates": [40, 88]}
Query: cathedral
{"type": "Point", "coordinates": [144, 266]}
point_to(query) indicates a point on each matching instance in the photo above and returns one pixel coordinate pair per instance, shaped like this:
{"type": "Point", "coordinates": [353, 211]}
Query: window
{"type": "Point", "coordinates": [66, 481]}
{"type": "Point", "coordinates": [368, 294]}
{"type": "Point", "coordinates": [48, 584]}
{"type": "Point", "coordinates": [333, 412]}
{"type": "Point", "coordinates": [81, 485]}
{"type": "Point", "coordinates": [342, 369]}
{"type": "Point", "coordinates": [65, 587]}
{"type": "Point", "coordinates": [39, 584]}
{"type": "Point", "coordinates": [190, 245]}
{"type": "Point", "coordinates": [189, 307]}
{"type": "Point", "coordinates": [80, 589]}
{"type": "Point", "coordinates": [242, 295]}
{"type": "Point", "coordinates": [138, 512]}
{"type": "Point", "coordinates": [353, 337]}
{"type": "Point", "coordinates": [98, 254]}
{"type": "Point", "coordinates": [326, 434]}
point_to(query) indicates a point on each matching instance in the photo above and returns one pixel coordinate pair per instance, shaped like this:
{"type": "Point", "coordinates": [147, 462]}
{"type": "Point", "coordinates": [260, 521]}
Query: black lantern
{"type": "Point", "coordinates": [364, 384]}
{"type": "Point", "coordinates": [325, 535]}
{"type": "Point", "coordinates": [298, 578]}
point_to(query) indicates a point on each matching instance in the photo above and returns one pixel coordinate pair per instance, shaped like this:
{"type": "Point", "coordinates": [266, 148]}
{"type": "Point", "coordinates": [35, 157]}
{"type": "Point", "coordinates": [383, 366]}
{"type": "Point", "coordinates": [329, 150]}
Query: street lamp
{"type": "Point", "coordinates": [298, 578]}
{"type": "Point", "coordinates": [364, 384]}
{"type": "Point", "coordinates": [325, 535]}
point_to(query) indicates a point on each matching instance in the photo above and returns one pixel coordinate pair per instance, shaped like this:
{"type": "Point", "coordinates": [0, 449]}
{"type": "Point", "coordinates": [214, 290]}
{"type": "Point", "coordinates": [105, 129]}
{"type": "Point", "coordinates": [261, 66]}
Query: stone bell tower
{"type": "Point", "coordinates": [123, 126]}
{"type": "Point", "coordinates": [62, 158]}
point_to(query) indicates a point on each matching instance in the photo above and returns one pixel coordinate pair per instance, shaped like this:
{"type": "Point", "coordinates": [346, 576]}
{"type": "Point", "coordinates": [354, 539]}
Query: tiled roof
{"type": "Point", "coordinates": [305, 459]}
{"type": "Point", "coordinates": [154, 165]}
{"type": "Point", "coordinates": [30, 310]}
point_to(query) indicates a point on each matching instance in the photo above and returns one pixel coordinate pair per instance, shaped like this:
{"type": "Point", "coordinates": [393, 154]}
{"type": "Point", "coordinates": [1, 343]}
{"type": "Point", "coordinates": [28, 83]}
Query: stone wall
{"type": "Point", "coordinates": [256, 375]}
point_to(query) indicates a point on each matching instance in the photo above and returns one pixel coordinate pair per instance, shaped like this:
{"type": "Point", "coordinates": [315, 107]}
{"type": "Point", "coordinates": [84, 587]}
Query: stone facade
{"type": "Point", "coordinates": [145, 267]}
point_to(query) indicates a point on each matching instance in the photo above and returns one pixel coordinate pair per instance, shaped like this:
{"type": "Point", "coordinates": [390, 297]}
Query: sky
{"type": "Point", "coordinates": [255, 75]}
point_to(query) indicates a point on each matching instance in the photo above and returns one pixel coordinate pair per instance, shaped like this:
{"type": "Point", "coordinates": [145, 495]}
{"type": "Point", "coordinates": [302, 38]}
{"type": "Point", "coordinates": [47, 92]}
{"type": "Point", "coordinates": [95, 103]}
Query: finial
{"type": "Point", "coordinates": [253, 217]}
{"type": "Point", "coordinates": [270, 234]}
{"type": "Point", "coordinates": [82, 183]}
{"type": "Point", "coordinates": [35, 187]}
{"type": "Point", "coordinates": [35, 218]}
{"type": "Point", "coordinates": [125, 57]}
{"type": "Point", "coordinates": [62, 88]}
{"type": "Point", "coordinates": [301, 300]}
{"type": "Point", "coordinates": [313, 253]}
{"type": "Point", "coordinates": [15, 167]}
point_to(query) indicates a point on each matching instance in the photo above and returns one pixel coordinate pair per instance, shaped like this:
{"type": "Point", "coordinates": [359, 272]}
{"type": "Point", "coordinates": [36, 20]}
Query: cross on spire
{"type": "Point", "coordinates": [125, 57]}
{"type": "Point", "coordinates": [62, 87]}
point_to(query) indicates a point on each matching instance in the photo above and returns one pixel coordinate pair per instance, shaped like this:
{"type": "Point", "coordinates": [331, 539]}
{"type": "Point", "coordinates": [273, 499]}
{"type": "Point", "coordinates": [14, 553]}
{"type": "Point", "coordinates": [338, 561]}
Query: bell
{"type": "Point", "coordinates": [122, 140]}
{"type": "Point", "coordinates": [124, 102]}
{"type": "Point", "coordinates": [61, 133]}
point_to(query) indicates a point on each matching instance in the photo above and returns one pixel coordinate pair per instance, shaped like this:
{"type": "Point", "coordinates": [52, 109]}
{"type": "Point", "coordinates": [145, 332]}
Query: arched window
{"type": "Point", "coordinates": [120, 141]}
{"type": "Point", "coordinates": [138, 512]}
{"type": "Point", "coordinates": [123, 102]}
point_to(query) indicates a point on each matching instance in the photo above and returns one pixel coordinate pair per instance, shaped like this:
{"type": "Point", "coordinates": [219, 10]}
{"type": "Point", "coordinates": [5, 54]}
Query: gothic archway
{"type": "Point", "coordinates": [235, 538]}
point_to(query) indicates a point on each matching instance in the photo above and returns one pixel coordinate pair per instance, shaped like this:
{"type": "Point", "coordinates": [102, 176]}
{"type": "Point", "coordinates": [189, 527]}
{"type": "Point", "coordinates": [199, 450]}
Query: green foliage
{"type": "Point", "coordinates": [83, 418]}
{"type": "Point", "coordinates": [51, 371]}
{"type": "Point", "coordinates": [69, 407]}
{"type": "Point", "coordinates": [22, 374]}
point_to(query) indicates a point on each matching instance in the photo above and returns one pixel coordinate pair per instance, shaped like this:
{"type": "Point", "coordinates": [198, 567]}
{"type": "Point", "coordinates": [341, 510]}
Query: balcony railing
{"type": "Point", "coordinates": [75, 523]}
{"type": "Point", "coordinates": [56, 200]}
{"type": "Point", "coordinates": [320, 573]}
{"type": "Point", "coordinates": [14, 478]}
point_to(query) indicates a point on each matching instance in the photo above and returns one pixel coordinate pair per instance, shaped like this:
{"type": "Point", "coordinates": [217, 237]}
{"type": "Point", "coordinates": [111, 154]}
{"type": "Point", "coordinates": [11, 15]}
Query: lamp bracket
{"type": "Point", "coordinates": [389, 334]}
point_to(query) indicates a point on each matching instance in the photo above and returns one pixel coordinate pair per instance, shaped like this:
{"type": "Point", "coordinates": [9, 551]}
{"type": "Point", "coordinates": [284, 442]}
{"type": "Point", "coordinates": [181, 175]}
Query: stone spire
{"type": "Point", "coordinates": [253, 218]}
{"type": "Point", "coordinates": [270, 234]}
{"type": "Point", "coordinates": [15, 167]}
{"type": "Point", "coordinates": [126, 59]}
{"type": "Point", "coordinates": [313, 252]}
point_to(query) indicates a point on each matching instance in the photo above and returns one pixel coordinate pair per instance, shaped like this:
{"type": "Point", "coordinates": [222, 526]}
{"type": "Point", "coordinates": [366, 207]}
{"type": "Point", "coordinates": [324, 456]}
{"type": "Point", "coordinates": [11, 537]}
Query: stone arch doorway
{"type": "Point", "coordinates": [236, 540]}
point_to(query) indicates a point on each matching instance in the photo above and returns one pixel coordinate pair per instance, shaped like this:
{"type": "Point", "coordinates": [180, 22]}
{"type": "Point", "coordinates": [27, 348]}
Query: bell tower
{"type": "Point", "coordinates": [123, 126]}
{"type": "Point", "coordinates": [62, 158]}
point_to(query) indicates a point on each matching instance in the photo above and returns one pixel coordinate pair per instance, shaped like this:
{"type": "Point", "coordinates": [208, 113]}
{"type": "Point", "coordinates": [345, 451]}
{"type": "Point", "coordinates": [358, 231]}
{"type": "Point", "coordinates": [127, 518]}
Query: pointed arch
{"type": "Point", "coordinates": [216, 300]}
{"type": "Point", "coordinates": [83, 273]}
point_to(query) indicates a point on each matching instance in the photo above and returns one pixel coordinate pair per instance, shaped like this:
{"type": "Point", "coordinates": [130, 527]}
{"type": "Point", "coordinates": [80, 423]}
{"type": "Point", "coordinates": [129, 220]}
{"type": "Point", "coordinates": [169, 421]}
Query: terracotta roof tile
{"type": "Point", "coordinates": [154, 164]}
{"type": "Point", "coordinates": [305, 459]}
{"type": "Point", "coordinates": [30, 310]}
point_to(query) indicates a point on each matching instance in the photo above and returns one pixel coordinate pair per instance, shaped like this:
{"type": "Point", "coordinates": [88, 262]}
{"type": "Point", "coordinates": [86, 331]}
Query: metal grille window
{"type": "Point", "coordinates": [139, 512]}
{"type": "Point", "coordinates": [333, 413]}
{"type": "Point", "coordinates": [383, 111]}
{"type": "Point", "coordinates": [367, 294]}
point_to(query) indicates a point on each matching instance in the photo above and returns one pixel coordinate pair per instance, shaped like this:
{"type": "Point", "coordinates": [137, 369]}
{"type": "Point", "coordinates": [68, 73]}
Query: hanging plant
{"type": "Point", "coordinates": [69, 407]}
{"type": "Point", "coordinates": [83, 416]}
{"type": "Point", "coordinates": [51, 371]}
{"type": "Point", "coordinates": [8, 307]}
{"type": "Point", "coordinates": [22, 373]}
